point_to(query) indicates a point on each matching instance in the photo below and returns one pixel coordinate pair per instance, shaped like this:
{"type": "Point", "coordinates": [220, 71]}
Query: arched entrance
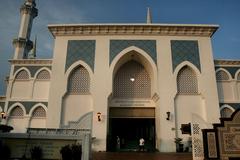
{"type": "Point", "coordinates": [131, 111]}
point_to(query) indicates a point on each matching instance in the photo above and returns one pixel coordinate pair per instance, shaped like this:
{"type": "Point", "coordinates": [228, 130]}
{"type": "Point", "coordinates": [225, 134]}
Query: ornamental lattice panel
{"type": "Point", "coordinates": [79, 81]}
{"type": "Point", "coordinates": [132, 81]}
{"type": "Point", "coordinates": [22, 75]}
{"type": "Point", "coordinates": [187, 81]}
{"type": "Point", "coordinates": [17, 112]}
{"type": "Point", "coordinates": [39, 112]}
{"type": "Point", "coordinates": [43, 75]}
{"type": "Point", "coordinates": [222, 75]}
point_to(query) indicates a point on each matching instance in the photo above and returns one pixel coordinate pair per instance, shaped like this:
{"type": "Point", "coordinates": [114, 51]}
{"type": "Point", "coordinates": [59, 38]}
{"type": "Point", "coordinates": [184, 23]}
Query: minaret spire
{"type": "Point", "coordinates": [23, 44]}
{"type": "Point", "coordinates": [149, 16]}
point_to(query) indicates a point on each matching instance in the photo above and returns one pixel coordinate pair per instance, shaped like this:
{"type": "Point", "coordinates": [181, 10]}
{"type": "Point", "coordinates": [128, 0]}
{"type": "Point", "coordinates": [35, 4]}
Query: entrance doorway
{"type": "Point", "coordinates": [129, 131]}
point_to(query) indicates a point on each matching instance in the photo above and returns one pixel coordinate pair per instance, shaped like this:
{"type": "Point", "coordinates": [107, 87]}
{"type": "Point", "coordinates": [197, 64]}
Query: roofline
{"type": "Point", "coordinates": [206, 30]}
{"type": "Point", "coordinates": [134, 24]}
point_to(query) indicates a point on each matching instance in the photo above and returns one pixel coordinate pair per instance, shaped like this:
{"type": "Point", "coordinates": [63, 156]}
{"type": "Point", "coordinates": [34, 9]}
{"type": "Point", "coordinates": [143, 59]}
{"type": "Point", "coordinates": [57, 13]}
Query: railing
{"type": "Point", "coordinates": [59, 132]}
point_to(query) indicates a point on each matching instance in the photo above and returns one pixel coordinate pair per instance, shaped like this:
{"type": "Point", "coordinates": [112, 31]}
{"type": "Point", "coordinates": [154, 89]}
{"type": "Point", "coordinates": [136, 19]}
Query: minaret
{"type": "Point", "coordinates": [149, 16]}
{"type": "Point", "coordinates": [23, 44]}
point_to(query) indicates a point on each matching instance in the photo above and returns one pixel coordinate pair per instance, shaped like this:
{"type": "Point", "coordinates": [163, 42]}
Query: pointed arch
{"type": "Point", "coordinates": [43, 74]}
{"type": "Point", "coordinates": [22, 74]}
{"type": "Point", "coordinates": [226, 111]}
{"type": "Point", "coordinates": [79, 81]}
{"type": "Point", "coordinates": [222, 75]}
{"type": "Point", "coordinates": [16, 105]}
{"type": "Point", "coordinates": [237, 75]}
{"type": "Point", "coordinates": [139, 55]}
{"type": "Point", "coordinates": [37, 106]}
{"type": "Point", "coordinates": [186, 79]}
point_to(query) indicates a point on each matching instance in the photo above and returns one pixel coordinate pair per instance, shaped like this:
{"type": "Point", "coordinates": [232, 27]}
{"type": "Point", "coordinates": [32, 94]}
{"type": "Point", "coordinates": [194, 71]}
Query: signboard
{"type": "Point", "coordinates": [51, 148]}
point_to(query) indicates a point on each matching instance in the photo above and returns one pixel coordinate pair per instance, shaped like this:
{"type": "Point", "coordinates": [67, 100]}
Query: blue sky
{"type": "Point", "coordinates": [226, 13]}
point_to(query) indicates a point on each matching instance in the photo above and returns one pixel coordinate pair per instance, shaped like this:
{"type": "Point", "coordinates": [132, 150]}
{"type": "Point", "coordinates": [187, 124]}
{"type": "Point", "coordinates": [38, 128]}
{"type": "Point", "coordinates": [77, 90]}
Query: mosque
{"type": "Point", "coordinates": [128, 80]}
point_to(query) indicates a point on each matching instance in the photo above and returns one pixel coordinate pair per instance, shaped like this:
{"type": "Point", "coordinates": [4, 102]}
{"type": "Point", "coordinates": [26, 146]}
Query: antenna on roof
{"type": "Point", "coordinates": [149, 16]}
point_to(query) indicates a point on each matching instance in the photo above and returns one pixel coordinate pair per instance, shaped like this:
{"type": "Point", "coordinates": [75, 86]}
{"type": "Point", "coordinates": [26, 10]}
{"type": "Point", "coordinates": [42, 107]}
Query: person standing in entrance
{"type": "Point", "coordinates": [141, 144]}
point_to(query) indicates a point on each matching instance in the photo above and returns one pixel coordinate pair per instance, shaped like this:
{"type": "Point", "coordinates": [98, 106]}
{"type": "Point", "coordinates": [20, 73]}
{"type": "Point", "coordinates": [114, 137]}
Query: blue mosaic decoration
{"type": "Point", "coordinates": [149, 46]}
{"type": "Point", "coordinates": [80, 50]}
{"type": "Point", "coordinates": [185, 50]}
{"type": "Point", "coordinates": [231, 70]}
{"type": "Point", "coordinates": [27, 105]}
{"type": "Point", "coordinates": [32, 69]}
{"type": "Point", "coordinates": [233, 105]}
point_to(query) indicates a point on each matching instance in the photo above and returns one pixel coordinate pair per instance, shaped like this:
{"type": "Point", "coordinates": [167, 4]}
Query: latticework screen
{"type": "Point", "coordinates": [79, 81]}
{"type": "Point", "coordinates": [17, 112]}
{"type": "Point", "coordinates": [222, 75]}
{"type": "Point", "coordinates": [22, 75]}
{"type": "Point", "coordinates": [187, 81]}
{"type": "Point", "coordinates": [132, 81]}
{"type": "Point", "coordinates": [39, 112]}
{"type": "Point", "coordinates": [43, 75]}
{"type": "Point", "coordinates": [226, 113]}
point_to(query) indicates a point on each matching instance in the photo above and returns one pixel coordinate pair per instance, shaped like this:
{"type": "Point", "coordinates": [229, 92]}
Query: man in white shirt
{"type": "Point", "coordinates": [141, 144]}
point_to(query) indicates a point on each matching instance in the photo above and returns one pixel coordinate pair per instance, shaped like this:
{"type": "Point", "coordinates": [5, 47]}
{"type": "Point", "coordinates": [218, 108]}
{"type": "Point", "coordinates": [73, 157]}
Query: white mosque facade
{"type": "Point", "coordinates": [126, 80]}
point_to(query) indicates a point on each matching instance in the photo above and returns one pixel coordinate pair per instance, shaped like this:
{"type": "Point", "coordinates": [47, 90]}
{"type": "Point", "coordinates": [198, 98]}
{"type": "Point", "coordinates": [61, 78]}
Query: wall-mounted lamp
{"type": "Point", "coordinates": [168, 115]}
{"type": "Point", "coordinates": [99, 117]}
{"type": "Point", "coordinates": [3, 115]}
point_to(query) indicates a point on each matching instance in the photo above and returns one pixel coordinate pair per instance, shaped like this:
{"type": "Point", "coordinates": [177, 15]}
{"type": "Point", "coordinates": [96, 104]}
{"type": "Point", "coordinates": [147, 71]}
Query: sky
{"type": "Point", "coordinates": [225, 13]}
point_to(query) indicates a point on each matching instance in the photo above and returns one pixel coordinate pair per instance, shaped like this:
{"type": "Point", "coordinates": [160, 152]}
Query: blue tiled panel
{"type": "Point", "coordinates": [27, 105]}
{"type": "Point", "coordinates": [149, 46]}
{"type": "Point", "coordinates": [185, 50]}
{"type": "Point", "coordinates": [32, 69]}
{"type": "Point", "coordinates": [234, 105]}
{"type": "Point", "coordinates": [80, 50]}
{"type": "Point", "coordinates": [231, 70]}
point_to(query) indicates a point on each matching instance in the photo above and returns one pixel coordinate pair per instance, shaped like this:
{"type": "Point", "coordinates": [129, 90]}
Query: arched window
{"type": "Point", "coordinates": [226, 112]}
{"type": "Point", "coordinates": [39, 112]}
{"type": "Point", "coordinates": [132, 81]}
{"type": "Point", "coordinates": [79, 81]}
{"type": "Point", "coordinates": [187, 81]}
{"type": "Point", "coordinates": [222, 75]}
{"type": "Point", "coordinates": [43, 75]}
{"type": "Point", "coordinates": [17, 112]}
{"type": "Point", "coordinates": [22, 75]}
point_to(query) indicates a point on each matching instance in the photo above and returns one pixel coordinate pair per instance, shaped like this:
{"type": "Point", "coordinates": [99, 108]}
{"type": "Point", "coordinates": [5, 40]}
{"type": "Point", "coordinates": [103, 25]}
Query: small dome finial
{"type": "Point", "coordinates": [149, 16]}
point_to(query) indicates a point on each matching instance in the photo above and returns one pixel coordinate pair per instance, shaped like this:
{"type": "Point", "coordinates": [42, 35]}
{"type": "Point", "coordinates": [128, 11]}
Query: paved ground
{"type": "Point", "coordinates": [140, 156]}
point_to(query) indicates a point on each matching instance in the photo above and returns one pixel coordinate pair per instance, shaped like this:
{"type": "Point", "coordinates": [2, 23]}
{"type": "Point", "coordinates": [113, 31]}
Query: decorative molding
{"type": "Point", "coordinates": [133, 29]}
{"type": "Point", "coordinates": [31, 62]}
{"type": "Point", "coordinates": [226, 62]}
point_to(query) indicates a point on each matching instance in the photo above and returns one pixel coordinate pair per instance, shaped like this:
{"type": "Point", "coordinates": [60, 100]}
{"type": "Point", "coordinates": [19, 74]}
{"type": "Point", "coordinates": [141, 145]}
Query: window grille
{"type": "Point", "coordinates": [132, 81]}
{"type": "Point", "coordinates": [79, 81]}
{"type": "Point", "coordinates": [226, 112]}
{"type": "Point", "coordinates": [22, 75]}
{"type": "Point", "coordinates": [222, 75]}
{"type": "Point", "coordinates": [39, 112]}
{"type": "Point", "coordinates": [17, 112]}
{"type": "Point", "coordinates": [43, 75]}
{"type": "Point", "coordinates": [187, 81]}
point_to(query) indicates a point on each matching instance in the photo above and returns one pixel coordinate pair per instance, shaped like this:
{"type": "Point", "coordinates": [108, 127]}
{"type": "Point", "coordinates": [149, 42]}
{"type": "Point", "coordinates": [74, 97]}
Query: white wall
{"type": "Point", "coordinates": [225, 91]}
{"type": "Point", "coordinates": [21, 89]}
{"type": "Point", "coordinates": [75, 106]}
{"type": "Point", "coordinates": [41, 89]}
{"type": "Point", "coordinates": [18, 123]}
{"type": "Point", "coordinates": [37, 122]}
